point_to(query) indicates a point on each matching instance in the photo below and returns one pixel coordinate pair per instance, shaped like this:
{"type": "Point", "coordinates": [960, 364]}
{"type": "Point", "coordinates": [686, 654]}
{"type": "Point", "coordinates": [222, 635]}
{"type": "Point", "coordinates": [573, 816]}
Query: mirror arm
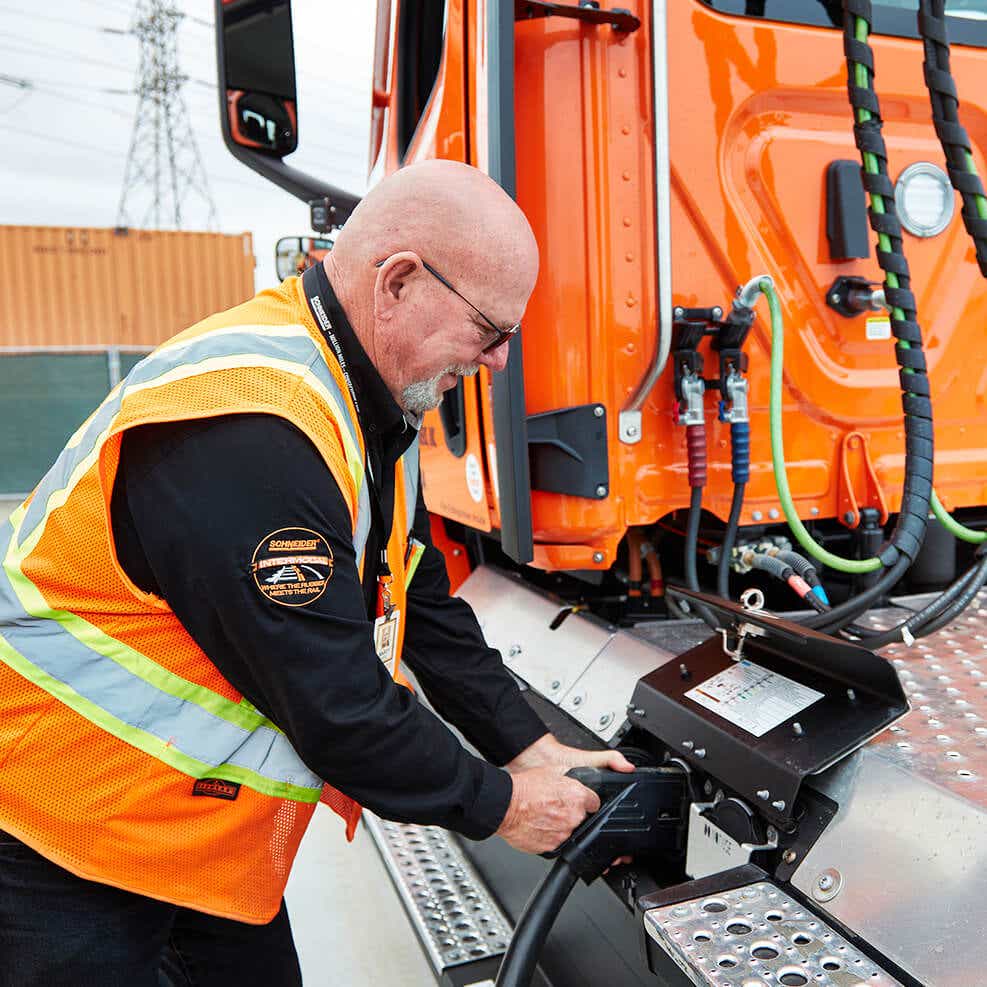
{"type": "Point", "coordinates": [297, 183]}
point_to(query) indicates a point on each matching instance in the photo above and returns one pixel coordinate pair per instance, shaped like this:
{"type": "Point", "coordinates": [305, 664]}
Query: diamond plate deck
{"type": "Point", "coordinates": [453, 914]}
{"type": "Point", "coordinates": [757, 936]}
{"type": "Point", "coordinates": [944, 737]}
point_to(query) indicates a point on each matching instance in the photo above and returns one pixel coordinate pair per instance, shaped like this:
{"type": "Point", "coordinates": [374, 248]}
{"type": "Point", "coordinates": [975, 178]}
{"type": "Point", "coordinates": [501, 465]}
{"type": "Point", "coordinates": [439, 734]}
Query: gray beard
{"type": "Point", "coordinates": [424, 395]}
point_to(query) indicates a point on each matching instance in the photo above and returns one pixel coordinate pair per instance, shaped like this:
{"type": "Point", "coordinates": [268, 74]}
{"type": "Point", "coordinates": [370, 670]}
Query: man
{"type": "Point", "coordinates": [203, 605]}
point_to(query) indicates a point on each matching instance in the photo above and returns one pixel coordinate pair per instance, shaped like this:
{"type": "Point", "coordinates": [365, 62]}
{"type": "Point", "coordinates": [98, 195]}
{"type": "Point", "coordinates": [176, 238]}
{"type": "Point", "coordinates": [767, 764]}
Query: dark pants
{"type": "Point", "coordinates": [58, 930]}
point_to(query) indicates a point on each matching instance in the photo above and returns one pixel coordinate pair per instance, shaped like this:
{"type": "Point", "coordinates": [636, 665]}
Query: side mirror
{"type": "Point", "coordinates": [259, 70]}
{"type": "Point", "coordinates": [295, 254]}
{"type": "Point", "coordinates": [255, 58]}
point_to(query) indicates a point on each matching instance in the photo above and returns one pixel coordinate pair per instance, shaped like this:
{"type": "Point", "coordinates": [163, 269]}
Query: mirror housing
{"type": "Point", "coordinates": [295, 254]}
{"type": "Point", "coordinates": [258, 102]}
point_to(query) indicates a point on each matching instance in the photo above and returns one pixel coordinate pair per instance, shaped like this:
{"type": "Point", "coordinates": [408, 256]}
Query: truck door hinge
{"type": "Point", "coordinates": [587, 11]}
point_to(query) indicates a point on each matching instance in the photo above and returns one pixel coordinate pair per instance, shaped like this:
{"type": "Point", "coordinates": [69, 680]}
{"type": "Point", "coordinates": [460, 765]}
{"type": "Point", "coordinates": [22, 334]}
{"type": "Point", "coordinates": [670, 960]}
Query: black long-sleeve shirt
{"type": "Point", "coordinates": [192, 502]}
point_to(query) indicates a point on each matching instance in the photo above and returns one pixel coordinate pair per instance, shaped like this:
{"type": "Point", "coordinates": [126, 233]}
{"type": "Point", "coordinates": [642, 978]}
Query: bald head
{"type": "Point", "coordinates": [418, 332]}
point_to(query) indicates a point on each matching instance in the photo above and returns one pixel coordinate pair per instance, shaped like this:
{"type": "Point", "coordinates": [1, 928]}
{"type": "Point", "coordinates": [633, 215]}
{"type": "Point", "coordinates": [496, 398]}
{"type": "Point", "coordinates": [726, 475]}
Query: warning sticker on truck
{"type": "Point", "coordinates": [753, 698]}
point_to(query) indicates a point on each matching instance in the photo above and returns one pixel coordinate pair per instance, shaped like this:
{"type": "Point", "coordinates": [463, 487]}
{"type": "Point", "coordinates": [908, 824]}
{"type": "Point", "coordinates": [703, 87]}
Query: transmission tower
{"type": "Point", "coordinates": [164, 168]}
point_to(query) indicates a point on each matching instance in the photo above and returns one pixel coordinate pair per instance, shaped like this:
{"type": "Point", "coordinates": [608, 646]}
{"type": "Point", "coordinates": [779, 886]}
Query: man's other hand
{"type": "Point", "coordinates": [547, 752]}
{"type": "Point", "coordinates": [545, 808]}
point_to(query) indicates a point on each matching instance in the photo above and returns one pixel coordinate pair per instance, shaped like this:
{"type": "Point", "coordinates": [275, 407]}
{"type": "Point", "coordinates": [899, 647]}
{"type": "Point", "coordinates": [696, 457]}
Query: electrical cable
{"type": "Point", "coordinates": [848, 611]}
{"type": "Point", "coordinates": [531, 931]}
{"type": "Point", "coordinates": [961, 603]}
{"type": "Point", "coordinates": [956, 145]}
{"type": "Point", "coordinates": [729, 538]}
{"type": "Point", "coordinates": [924, 621]}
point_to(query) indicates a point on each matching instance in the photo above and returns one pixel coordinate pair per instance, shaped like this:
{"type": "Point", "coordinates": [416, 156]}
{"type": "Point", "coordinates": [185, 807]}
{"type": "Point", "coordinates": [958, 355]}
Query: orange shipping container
{"type": "Point", "coordinates": [70, 286]}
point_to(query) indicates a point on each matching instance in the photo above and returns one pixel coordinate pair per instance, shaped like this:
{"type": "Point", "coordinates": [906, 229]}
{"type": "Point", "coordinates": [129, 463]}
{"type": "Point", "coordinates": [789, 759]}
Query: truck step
{"type": "Point", "coordinates": [758, 935]}
{"type": "Point", "coordinates": [460, 926]}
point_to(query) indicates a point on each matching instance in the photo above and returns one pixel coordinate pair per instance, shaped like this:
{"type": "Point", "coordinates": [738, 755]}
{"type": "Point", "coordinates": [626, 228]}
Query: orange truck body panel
{"type": "Point", "coordinates": [758, 111]}
{"type": "Point", "coordinates": [69, 286]}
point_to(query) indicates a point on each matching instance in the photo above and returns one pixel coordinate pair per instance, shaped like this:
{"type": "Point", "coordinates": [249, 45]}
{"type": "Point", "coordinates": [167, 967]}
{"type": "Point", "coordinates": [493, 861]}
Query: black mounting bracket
{"type": "Point", "coordinates": [587, 11]}
{"type": "Point", "coordinates": [567, 449]}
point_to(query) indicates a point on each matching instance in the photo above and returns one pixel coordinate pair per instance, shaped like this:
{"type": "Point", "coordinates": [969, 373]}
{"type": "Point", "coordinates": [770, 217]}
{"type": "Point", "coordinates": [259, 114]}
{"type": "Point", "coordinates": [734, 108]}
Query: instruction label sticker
{"type": "Point", "coordinates": [753, 698]}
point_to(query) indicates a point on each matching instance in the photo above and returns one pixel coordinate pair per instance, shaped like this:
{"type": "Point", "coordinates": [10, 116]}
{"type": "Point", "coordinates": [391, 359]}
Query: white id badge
{"type": "Point", "coordinates": [386, 637]}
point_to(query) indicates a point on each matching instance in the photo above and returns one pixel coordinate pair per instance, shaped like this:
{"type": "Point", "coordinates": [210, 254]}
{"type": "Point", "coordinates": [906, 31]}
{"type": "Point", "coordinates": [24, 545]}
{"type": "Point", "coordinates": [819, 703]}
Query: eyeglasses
{"type": "Point", "coordinates": [502, 334]}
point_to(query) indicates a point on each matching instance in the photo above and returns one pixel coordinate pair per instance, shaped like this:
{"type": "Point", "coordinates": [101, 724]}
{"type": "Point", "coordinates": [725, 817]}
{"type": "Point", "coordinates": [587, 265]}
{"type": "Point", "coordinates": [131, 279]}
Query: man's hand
{"type": "Point", "coordinates": [548, 752]}
{"type": "Point", "coordinates": [545, 808]}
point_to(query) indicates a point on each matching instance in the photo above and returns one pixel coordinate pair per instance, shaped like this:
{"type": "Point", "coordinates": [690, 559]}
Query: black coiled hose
{"type": "Point", "coordinates": [952, 135]}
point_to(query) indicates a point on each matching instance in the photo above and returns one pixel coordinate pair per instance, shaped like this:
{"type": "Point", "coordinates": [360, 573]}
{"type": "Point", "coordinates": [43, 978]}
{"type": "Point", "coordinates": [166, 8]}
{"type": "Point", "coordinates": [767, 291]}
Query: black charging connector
{"type": "Point", "coordinates": [640, 812]}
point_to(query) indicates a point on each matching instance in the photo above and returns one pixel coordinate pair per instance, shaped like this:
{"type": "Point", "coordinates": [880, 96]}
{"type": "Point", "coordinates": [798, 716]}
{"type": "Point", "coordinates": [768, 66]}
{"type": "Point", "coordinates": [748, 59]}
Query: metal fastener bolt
{"type": "Point", "coordinates": [773, 514]}
{"type": "Point", "coordinates": [577, 700]}
{"type": "Point", "coordinates": [598, 411]}
{"type": "Point", "coordinates": [606, 719]}
{"type": "Point", "coordinates": [813, 511]}
{"type": "Point", "coordinates": [598, 557]}
{"type": "Point", "coordinates": [850, 517]}
{"type": "Point", "coordinates": [637, 711]}
{"type": "Point", "coordinates": [828, 885]}
{"type": "Point", "coordinates": [779, 805]}
{"type": "Point", "coordinates": [797, 729]}
{"type": "Point", "coordinates": [684, 671]}
{"type": "Point", "coordinates": [700, 752]}
{"type": "Point", "coordinates": [717, 312]}
{"type": "Point", "coordinates": [764, 794]}
{"type": "Point", "coordinates": [678, 312]}
{"type": "Point", "coordinates": [556, 685]}
{"type": "Point", "coordinates": [708, 787]}
{"type": "Point", "coordinates": [514, 650]}
{"type": "Point", "coordinates": [756, 515]}
{"type": "Point", "coordinates": [834, 298]}
{"type": "Point", "coordinates": [632, 430]}
{"type": "Point", "coordinates": [789, 856]}
{"type": "Point", "coordinates": [457, 552]}
{"type": "Point", "coordinates": [688, 744]}
{"type": "Point", "coordinates": [601, 491]}
{"type": "Point", "coordinates": [851, 695]}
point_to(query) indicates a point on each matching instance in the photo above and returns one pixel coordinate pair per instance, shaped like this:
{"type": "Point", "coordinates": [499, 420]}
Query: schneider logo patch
{"type": "Point", "coordinates": [216, 788]}
{"type": "Point", "coordinates": [292, 566]}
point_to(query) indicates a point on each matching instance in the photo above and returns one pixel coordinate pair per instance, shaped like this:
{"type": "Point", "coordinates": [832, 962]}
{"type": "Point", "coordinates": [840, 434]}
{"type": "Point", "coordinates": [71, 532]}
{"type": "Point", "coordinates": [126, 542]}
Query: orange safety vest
{"type": "Point", "coordinates": [112, 719]}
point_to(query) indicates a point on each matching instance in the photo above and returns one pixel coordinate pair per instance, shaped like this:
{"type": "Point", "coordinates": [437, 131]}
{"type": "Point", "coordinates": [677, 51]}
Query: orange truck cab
{"type": "Point", "coordinates": [752, 364]}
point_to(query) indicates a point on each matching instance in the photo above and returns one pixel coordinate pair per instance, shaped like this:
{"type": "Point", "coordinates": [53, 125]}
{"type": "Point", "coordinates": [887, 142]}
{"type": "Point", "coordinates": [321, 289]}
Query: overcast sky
{"type": "Point", "coordinates": [65, 139]}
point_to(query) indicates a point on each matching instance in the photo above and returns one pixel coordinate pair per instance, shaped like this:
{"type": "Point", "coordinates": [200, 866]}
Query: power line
{"type": "Point", "coordinates": [61, 56]}
{"type": "Point", "coordinates": [48, 19]}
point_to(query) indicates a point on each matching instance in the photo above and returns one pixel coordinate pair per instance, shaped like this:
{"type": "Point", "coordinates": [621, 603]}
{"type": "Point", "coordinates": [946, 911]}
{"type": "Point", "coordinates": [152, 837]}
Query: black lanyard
{"type": "Point", "coordinates": [313, 295]}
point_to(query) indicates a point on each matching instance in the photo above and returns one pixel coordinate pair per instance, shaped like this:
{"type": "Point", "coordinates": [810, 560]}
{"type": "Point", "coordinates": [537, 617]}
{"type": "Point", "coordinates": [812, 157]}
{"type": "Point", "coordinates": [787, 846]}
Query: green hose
{"type": "Point", "coordinates": [953, 526]}
{"type": "Point", "coordinates": [853, 566]}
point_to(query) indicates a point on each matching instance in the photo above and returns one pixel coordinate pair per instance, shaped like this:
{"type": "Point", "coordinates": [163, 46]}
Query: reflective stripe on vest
{"type": "Point", "coordinates": [288, 348]}
{"type": "Point", "coordinates": [189, 727]}
{"type": "Point", "coordinates": [410, 463]}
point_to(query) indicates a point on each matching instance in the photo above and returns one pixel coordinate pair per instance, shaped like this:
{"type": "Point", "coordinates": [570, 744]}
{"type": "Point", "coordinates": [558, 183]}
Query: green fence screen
{"type": "Point", "coordinates": [44, 397]}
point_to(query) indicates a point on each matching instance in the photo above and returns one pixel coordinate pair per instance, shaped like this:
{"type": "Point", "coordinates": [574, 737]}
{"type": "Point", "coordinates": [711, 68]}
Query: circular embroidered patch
{"type": "Point", "coordinates": [292, 566]}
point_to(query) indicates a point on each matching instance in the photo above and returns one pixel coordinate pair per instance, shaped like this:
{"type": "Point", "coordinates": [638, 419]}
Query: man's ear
{"type": "Point", "coordinates": [392, 280]}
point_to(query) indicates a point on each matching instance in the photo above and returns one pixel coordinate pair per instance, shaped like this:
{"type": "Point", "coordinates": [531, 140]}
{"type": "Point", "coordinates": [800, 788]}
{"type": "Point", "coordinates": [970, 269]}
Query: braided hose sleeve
{"type": "Point", "coordinates": [771, 565]}
{"type": "Point", "coordinates": [909, 531]}
{"type": "Point", "coordinates": [952, 135]}
{"type": "Point", "coordinates": [695, 441]}
{"type": "Point", "coordinates": [740, 451]}
{"type": "Point", "coordinates": [801, 565]}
